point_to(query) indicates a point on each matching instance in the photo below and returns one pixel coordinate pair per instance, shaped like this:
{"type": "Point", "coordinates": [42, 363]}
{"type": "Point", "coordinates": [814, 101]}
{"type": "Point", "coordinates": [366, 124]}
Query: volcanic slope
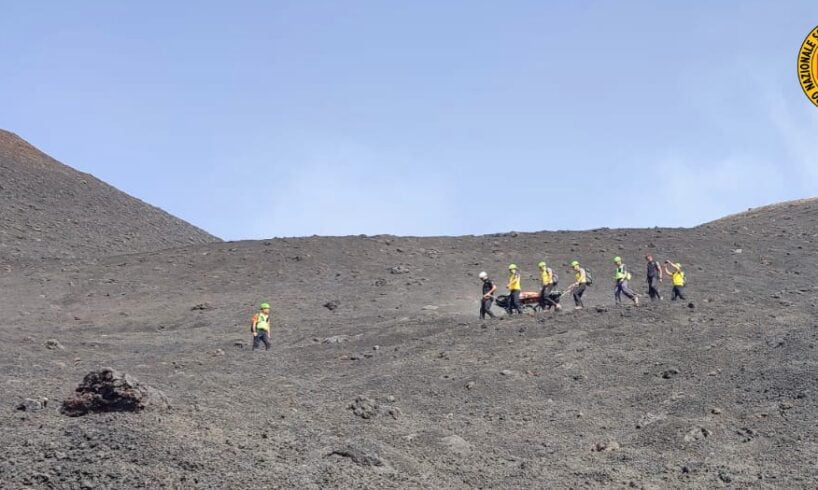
{"type": "Point", "coordinates": [50, 210]}
{"type": "Point", "coordinates": [381, 375]}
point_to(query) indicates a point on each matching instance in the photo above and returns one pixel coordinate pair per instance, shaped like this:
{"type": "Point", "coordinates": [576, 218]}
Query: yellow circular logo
{"type": "Point", "coordinates": [808, 66]}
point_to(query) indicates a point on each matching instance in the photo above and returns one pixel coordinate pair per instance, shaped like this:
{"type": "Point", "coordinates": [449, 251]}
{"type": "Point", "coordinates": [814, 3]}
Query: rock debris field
{"type": "Point", "coordinates": [133, 369]}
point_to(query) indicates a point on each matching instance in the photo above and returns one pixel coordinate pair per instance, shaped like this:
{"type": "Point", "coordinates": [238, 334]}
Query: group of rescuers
{"type": "Point", "coordinates": [548, 280]}
{"type": "Point", "coordinates": [260, 323]}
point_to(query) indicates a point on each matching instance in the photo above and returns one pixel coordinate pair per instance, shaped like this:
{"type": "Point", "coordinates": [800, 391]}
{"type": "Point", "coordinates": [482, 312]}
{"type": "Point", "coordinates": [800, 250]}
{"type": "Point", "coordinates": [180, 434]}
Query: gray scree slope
{"type": "Point", "coordinates": [49, 210]}
{"type": "Point", "coordinates": [401, 386]}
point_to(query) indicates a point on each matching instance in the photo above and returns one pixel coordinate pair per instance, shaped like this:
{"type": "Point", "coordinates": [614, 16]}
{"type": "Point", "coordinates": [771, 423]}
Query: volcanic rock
{"type": "Point", "coordinates": [457, 445]}
{"type": "Point", "coordinates": [359, 455]}
{"type": "Point", "coordinates": [32, 405]}
{"type": "Point", "coordinates": [363, 407]}
{"type": "Point", "coordinates": [53, 344]}
{"type": "Point", "coordinates": [108, 390]}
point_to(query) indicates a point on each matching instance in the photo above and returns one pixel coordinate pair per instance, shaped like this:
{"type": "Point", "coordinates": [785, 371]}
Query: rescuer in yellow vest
{"type": "Point", "coordinates": [674, 270]}
{"type": "Point", "coordinates": [260, 327]}
{"type": "Point", "coordinates": [548, 281]}
{"type": "Point", "coordinates": [583, 280]}
{"type": "Point", "coordinates": [514, 290]}
{"type": "Point", "coordinates": [621, 277]}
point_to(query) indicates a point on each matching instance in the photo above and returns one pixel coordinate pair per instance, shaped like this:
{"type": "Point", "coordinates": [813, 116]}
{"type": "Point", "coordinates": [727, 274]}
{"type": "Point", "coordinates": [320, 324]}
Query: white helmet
{"type": "Point", "coordinates": [483, 275]}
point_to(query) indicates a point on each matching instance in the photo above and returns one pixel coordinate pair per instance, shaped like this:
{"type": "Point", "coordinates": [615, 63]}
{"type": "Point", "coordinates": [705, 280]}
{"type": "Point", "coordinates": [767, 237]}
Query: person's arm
{"type": "Point", "coordinates": [253, 325]}
{"type": "Point", "coordinates": [660, 272]}
{"type": "Point", "coordinates": [493, 289]}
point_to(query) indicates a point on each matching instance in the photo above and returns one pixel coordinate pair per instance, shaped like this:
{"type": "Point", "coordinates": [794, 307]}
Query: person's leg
{"type": "Point", "coordinates": [516, 298]}
{"type": "Point", "coordinates": [681, 293]}
{"type": "Point", "coordinates": [578, 295]}
{"type": "Point", "coordinates": [256, 341]}
{"type": "Point", "coordinates": [265, 337]}
{"type": "Point", "coordinates": [485, 309]}
{"type": "Point", "coordinates": [618, 293]}
{"type": "Point", "coordinates": [543, 296]}
{"type": "Point", "coordinates": [488, 304]}
{"type": "Point", "coordinates": [653, 290]}
{"type": "Point", "coordinates": [550, 302]}
{"type": "Point", "coordinates": [675, 293]}
{"type": "Point", "coordinates": [628, 292]}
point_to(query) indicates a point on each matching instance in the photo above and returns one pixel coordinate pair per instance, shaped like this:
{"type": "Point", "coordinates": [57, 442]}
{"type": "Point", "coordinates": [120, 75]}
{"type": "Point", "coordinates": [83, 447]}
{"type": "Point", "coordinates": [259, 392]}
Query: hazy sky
{"type": "Point", "coordinates": [255, 119]}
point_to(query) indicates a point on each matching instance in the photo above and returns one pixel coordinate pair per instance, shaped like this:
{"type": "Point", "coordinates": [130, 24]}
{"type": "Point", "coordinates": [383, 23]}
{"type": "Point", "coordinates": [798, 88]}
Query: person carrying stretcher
{"type": "Point", "coordinates": [549, 280]}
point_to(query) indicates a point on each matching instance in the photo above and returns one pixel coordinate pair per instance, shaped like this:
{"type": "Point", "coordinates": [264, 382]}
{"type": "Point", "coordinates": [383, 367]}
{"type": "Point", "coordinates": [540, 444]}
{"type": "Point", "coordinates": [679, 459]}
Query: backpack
{"type": "Point", "coordinates": [554, 278]}
{"type": "Point", "coordinates": [589, 279]}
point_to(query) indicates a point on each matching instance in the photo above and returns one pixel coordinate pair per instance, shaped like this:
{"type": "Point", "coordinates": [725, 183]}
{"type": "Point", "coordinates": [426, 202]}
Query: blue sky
{"type": "Point", "coordinates": [255, 119]}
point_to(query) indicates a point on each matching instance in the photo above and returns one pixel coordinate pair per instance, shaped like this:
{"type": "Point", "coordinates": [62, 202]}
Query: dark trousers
{"type": "Point", "coordinates": [653, 288]}
{"type": "Point", "coordinates": [622, 288]}
{"type": "Point", "coordinates": [485, 308]}
{"type": "Point", "coordinates": [578, 292]}
{"type": "Point", "coordinates": [678, 292]}
{"type": "Point", "coordinates": [545, 297]}
{"type": "Point", "coordinates": [514, 302]}
{"type": "Point", "coordinates": [261, 336]}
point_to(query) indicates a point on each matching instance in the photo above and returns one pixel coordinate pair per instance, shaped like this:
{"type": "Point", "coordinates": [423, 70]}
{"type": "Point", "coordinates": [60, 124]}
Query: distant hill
{"type": "Point", "coordinates": [802, 211]}
{"type": "Point", "coordinates": [50, 210]}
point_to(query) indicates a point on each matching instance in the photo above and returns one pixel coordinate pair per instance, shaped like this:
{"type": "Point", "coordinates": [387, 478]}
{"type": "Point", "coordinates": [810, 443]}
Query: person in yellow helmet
{"type": "Point", "coordinates": [677, 275]}
{"type": "Point", "coordinates": [260, 326]}
{"type": "Point", "coordinates": [514, 290]}
{"type": "Point", "coordinates": [621, 276]}
{"type": "Point", "coordinates": [548, 281]}
{"type": "Point", "coordinates": [580, 285]}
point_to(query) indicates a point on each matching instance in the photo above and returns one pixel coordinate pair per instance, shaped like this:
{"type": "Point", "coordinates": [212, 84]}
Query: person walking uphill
{"type": "Point", "coordinates": [488, 296]}
{"type": "Point", "coordinates": [582, 282]}
{"type": "Point", "coordinates": [674, 270]}
{"type": "Point", "coordinates": [654, 278]}
{"type": "Point", "coordinates": [514, 290]}
{"type": "Point", "coordinates": [260, 327]}
{"type": "Point", "coordinates": [548, 282]}
{"type": "Point", "coordinates": [621, 276]}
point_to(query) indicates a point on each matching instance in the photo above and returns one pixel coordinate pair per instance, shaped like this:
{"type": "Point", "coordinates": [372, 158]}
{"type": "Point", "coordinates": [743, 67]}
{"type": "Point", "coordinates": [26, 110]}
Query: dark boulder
{"type": "Point", "coordinates": [108, 390]}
